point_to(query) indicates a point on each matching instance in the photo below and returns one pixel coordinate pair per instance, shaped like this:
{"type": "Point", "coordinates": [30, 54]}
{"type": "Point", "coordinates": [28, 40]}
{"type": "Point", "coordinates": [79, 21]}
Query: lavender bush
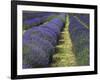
{"type": "Point", "coordinates": [39, 43]}
{"type": "Point", "coordinates": [80, 39]}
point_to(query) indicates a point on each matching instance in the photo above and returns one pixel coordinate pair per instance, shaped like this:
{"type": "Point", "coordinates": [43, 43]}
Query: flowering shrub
{"type": "Point", "coordinates": [34, 56]}
{"type": "Point", "coordinates": [28, 23]}
{"type": "Point", "coordinates": [84, 18]}
{"type": "Point", "coordinates": [39, 43]}
{"type": "Point", "coordinates": [80, 39]}
{"type": "Point", "coordinates": [30, 14]}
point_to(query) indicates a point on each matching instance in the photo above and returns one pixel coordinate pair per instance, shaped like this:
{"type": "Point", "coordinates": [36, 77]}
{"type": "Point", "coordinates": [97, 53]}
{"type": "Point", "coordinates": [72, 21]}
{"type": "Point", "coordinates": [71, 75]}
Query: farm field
{"type": "Point", "coordinates": [52, 39]}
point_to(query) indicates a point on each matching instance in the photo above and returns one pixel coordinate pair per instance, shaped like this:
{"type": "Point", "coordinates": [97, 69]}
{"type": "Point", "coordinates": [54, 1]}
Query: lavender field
{"type": "Point", "coordinates": [52, 39]}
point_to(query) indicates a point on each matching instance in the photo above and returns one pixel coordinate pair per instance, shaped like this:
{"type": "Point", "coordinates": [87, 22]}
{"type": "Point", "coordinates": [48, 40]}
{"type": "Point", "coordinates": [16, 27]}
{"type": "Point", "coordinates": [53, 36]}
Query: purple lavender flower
{"type": "Point", "coordinates": [34, 56]}
{"type": "Point", "coordinates": [58, 22]}
{"type": "Point", "coordinates": [84, 18]}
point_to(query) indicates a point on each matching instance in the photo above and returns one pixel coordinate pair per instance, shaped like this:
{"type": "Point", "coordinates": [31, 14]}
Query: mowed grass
{"type": "Point", "coordinates": [64, 55]}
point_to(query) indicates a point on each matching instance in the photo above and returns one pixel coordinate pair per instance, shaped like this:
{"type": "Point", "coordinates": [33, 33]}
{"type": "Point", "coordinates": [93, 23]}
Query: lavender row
{"type": "Point", "coordinates": [85, 18]}
{"type": "Point", "coordinates": [39, 43]}
{"type": "Point", "coordinates": [80, 39]}
{"type": "Point", "coordinates": [30, 14]}
{"type": "Point", "coordinates": [35, 21]}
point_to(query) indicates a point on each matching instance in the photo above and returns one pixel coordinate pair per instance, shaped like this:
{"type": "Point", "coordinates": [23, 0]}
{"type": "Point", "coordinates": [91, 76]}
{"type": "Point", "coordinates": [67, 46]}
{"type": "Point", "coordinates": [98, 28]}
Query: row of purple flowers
{"type": "Point", "coordinates": [80, 39]}
{"type": "Point", "coordinates": [39, 42]}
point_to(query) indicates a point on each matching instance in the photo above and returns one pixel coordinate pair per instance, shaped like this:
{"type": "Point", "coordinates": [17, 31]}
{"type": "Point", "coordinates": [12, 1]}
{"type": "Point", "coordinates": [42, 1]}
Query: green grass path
{"type": "Point", "coordinates": [64, 55]}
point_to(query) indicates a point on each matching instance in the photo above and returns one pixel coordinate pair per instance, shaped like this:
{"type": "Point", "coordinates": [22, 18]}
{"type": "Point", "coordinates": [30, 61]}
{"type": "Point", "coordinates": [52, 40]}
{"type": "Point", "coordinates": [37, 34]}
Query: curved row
{"type": "Point", "coordinates": [39, 43]}
{"type": "Point", "coordinates": [80, 39]}
{"type": "Point", "coordinates": [35, 21]}
{"type": "Point", "coordinates": [31, 14]}
{"type": "Point", "coordinates": [84, 18]}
